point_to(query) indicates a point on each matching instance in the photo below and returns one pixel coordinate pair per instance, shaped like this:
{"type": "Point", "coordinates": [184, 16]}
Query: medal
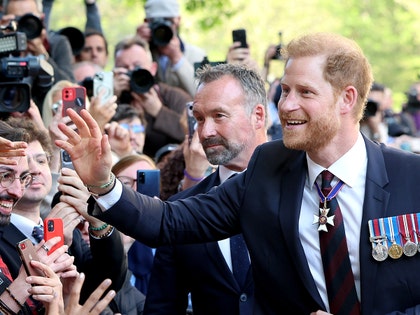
{"type": "Point", "coordinates": [323, 219]}
{"type": "Point", "coordinates": [395, 251]}
{"type": "Point", "coordinates": [409, 248]}
{"type": "Point", "coordinates": [380, 252]}
{"type": "Point", "coordinates": [378, 239]}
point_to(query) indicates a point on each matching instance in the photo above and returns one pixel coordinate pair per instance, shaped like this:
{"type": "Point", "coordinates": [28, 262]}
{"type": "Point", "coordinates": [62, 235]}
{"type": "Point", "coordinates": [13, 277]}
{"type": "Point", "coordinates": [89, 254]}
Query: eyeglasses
{"type": "Point", "coordinates": [134, 128]}
{"type": "Point", "coordinates": [42, 159]}
{"type": "Point", "coordinates": [127, 181]}
{"type": "Point", "coordinates": [7, 179]}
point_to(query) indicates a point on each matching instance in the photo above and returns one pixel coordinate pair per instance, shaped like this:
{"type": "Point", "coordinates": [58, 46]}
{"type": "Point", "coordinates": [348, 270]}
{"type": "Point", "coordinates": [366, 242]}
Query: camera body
{"type": "Point", "coordinates": [279, 47]}
{"type": "Point", "coordinates": [162, 31]}
{"type": "Point", "coordinates": [19, 74]}
{"type": "Point", "coordinates": [371, 108]}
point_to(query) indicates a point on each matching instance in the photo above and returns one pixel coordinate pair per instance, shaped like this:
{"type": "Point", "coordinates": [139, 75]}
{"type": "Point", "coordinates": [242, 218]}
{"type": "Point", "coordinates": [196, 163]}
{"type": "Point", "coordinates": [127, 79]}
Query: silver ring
{"type": "Point", "coordinates": [45, 248]}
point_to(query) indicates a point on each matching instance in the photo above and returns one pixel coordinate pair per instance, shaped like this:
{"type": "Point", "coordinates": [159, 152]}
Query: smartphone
{"type": "Point", "coordinates": [192, 122]}
{"type": "Point", "coordinates": [73, 97]}
{"type": "Point", "coordinates": [148, 182]}
{"type": "Point", "coordinates": [66, 159]}
{"type": "Point", "coordinates": [27, 253]}
{"type": "Point", "coordinates": [103, 82]}
{"type": "Point", "coordinates": [54, 227]}
{"type": "Point", "coordinates": [239, 35]}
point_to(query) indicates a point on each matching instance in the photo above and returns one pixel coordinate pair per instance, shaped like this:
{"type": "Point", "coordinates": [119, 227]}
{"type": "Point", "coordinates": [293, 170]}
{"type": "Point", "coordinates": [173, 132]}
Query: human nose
{"type": "Point", "coordinates": [16, 189]}
{"type": "Point", "coordinates": [288, 103]}
{"type": "Point", "coordinates": [207, 129]}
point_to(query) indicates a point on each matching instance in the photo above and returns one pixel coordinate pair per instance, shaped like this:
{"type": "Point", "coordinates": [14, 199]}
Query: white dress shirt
{"type": "Point", "coordinates": [351, 169]}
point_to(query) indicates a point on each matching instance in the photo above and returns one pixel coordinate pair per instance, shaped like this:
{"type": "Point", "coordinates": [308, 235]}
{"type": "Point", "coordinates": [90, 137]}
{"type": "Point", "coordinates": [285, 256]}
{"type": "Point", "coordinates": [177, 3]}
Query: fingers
{"type": "Point", "coordinates": [93, 304]}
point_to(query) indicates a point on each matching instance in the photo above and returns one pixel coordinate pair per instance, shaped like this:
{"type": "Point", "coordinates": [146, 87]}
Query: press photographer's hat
{"type": "Point", "coordinates": [161, 8]}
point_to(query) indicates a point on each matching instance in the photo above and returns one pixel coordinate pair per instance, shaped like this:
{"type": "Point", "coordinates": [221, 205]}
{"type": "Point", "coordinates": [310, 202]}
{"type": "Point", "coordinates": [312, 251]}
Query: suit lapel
{"type": "Point", "coordinates": [289, 209]}
{"type": "Point", "coordinates": [374, 207]}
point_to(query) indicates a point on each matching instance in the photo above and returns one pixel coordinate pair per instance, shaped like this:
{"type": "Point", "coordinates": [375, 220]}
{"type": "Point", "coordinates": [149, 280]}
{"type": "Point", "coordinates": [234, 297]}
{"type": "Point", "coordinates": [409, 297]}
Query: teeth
{"type": "Point", "coordinates": [294, 122]}
{"type": "Point", "coordinates": [7, 205]}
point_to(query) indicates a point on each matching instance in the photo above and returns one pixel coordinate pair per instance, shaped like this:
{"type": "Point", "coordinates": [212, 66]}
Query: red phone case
{"type": "Point", "coordinates": [54, 227]}
{"type": "Point", "coordinates": [74, 98]}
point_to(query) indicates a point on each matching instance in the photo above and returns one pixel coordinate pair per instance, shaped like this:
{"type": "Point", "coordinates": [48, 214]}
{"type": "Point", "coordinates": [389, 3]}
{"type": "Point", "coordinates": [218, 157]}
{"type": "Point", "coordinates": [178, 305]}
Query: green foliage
{"type": "Point", "coordinates": [387, 30]}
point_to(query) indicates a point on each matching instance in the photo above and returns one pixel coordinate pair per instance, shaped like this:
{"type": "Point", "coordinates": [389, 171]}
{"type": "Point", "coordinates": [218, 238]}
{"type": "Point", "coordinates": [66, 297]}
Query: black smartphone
{"type": "Point", "coordinates": [192, 122]}
{"type": "Point", "coordinates": [239, 35]}
{"type": "Point", "coordinates": [66, 159]}
{"type": "Point", "coordinates": [27, 253]}
{"type": "Point", "coordinates": [74, 98]}
{"type": "Point", "coordinates": [148, 182]}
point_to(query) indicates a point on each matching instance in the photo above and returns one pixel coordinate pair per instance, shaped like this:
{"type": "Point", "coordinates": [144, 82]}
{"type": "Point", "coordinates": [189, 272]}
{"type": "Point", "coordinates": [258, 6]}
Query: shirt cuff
{"type": "Point", "coordinates": [106, 201]}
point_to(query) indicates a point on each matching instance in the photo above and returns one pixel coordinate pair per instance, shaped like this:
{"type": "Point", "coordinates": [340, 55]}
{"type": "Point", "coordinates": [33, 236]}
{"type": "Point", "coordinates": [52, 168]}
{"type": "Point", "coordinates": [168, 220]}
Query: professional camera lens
{"type": "Point", "coordinates": [141, 81]}
{"type": "Point", "coordinates": [161, 32]}
{"type": "Point", "coordinates": [31, 25]}
{"type": "Point", "coordinates": [14, 97]}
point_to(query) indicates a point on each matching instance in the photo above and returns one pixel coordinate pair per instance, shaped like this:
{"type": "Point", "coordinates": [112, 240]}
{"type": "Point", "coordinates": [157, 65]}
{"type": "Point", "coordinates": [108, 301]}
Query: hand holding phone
{"type": "Point", "coordinates": [54, 227]}
{"type": "Point", "coordinates": [239, 35]}
{"type": "Point", "coordinates": [75, 98]}
{"type": "Point", "coordinates": [192, 122]}
{"type": "Point", "coordinates": [27, 253]}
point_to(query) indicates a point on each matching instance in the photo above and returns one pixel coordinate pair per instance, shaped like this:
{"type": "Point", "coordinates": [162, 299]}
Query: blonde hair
{"type": "Point", "coordinates": [345, 63]}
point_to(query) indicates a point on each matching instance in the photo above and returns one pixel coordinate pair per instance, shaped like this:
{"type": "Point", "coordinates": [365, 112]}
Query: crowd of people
{"type": "Point", "coordinates": [242, 220]}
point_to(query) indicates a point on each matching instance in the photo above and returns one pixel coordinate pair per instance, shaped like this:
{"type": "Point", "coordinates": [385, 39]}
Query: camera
{"type": "Point", "coordinates": [162, 32]}
{"type": "Point", "coordinates": [371, 108]}
{"type": "Point", "coordinates": [19, 74]}
{"type": "Point", "coordinates": [29, 24]}
{"type": "Point", "coordinates": [279, 47]}
{"type": "Point", "coordinates": [141, 80]}
{"type": "Point", "coordinates": [412, 101]}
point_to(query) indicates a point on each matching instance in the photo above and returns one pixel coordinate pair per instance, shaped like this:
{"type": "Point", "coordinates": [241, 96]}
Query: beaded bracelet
{"type": "Point", "coordinates": [194, 179]}
{"type": "Point", "coordinates": [102, 227]}
{"type": "Point", "coordinates": [106, 185]}
{"type": "Point", "coordinates": [105, 235]}
{"type": "Point", "coordinates": [14, 298]}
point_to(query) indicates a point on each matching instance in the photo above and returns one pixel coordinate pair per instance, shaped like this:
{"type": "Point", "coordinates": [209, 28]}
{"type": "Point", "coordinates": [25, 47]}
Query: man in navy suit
{"type": "Point", "coordinates": [325, 85]}
{"type": "Point", "coordinates": [232, 118]}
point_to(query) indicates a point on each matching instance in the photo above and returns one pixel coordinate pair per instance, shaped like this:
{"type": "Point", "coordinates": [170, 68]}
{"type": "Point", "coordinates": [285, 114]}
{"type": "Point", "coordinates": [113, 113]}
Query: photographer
{"type": "Point", "coordinates": [161, 105]}
{"type": "Point", "coordinates": [175, 58]}
{"type": "Point", "coordinates": [53, 48]}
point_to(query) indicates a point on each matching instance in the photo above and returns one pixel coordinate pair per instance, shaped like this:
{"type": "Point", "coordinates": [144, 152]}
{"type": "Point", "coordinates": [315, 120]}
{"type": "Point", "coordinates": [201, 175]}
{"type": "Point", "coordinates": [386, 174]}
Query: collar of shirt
{"type": "Point", "coordinates": [345, 168]}
{"type": "Point", "coordinates": [24, 225]}
{"type": "Point", "coordinates": [225, 173]}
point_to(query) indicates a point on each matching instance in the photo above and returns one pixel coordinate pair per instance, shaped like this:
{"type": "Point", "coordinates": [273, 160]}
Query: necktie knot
{"type": "Point", "coordinates": [38, 233]}
{"type": "Point", "coordinates": [327, 178]}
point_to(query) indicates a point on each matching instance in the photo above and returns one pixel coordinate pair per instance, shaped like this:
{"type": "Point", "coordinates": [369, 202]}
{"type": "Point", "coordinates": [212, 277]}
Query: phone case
{"type": "Point", "coordinates": [54, 227]}
{"type": "Point", "coordinates": [240, 36]}
{"type": "Point", "coordinates": [192, 123]}
{"type": "Point", "coordinates": [148, 182]}
{"type": "Point", "coordinates": [103, 82]}
{"type": "Point", "coordinates": [27, 253]}
{"type": "Point", "coordinates": [74, 97]}
{"type": "Point", "coordinates": [66, 159]}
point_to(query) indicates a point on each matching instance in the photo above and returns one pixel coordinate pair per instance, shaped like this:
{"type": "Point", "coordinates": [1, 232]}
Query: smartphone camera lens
{"type": "Point", "coordinates": [50, 226]}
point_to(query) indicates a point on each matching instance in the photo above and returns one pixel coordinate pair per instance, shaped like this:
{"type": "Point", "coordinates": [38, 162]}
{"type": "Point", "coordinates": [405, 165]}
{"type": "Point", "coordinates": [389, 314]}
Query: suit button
{"type": "Point", "coordinates": [243, 297]}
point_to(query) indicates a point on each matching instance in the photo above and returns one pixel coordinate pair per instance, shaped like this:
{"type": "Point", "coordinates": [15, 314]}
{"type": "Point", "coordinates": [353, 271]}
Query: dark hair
{"type": "Point", "coordinates": [13, 134]}
{"type": "Point", "coordinates": [126, 111]}
{"type": "Point", "coordinates": [34, 133]}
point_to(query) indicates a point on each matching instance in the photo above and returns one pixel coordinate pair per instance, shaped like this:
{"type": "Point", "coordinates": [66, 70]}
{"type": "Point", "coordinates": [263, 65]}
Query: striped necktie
{"type": "Point", "coordinates": [339, 277]}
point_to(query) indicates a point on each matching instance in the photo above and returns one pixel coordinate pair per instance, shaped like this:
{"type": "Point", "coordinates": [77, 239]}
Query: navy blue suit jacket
{"type": "Point", "coordinates": [197, 268]}
{"type": "Point", "coordinates": [264, 203]}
